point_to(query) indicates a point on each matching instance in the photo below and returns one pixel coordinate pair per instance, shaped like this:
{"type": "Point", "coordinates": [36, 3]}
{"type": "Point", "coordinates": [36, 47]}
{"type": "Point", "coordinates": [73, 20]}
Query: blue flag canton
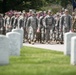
{"type": "Point", "coordinates": [74, 2]}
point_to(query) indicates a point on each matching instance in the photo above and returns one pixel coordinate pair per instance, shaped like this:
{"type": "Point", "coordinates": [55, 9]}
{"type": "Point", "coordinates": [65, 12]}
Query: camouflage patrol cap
{"type": "Point", "coordinates": [75, 17]}
{"type": "Point", "coordinates": [30, 10]}
{"type": "Point", "coordinates": [58, 14]}
{"type": "Point", "coordinates": [49, 11]}
{"type": "Point", "coordinates": [66, 10]}
{"type": "Point", "coordinates": [33, 13]}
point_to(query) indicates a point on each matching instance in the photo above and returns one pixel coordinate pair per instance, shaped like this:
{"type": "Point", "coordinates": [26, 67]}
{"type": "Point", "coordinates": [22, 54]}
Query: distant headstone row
{"type": "Point", "coordinates": [10, 45]}
{"type": "Point", "coordinates": [70, 46]}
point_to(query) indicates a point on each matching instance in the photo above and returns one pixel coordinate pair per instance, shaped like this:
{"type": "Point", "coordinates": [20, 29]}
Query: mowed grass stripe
{"type": "Point", "coordinates": [36, 61]}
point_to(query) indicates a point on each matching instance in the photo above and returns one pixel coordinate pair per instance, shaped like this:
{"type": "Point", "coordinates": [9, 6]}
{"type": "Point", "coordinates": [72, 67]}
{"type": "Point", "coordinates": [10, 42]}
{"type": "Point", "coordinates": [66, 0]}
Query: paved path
{"type": "Point", "coordinates": [56, 47]}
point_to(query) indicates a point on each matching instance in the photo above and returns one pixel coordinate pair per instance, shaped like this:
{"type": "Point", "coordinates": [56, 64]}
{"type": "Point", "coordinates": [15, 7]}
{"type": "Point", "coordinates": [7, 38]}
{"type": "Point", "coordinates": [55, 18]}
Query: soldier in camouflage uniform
{"type": "Point", "coordinates": [66, 23]}
{"type": "Point", "coordinates": [42, 28]}
{"type": "Point", "coordinates": [74, 25]}
{"type": "Point", "coordinates": [2, 27]}
{"type": "Point", "coordinates": [49, 25]}
{"type": "Point", "coordinates": [57, 27]}
{"type": "Point", "coordinates": [31, 27]}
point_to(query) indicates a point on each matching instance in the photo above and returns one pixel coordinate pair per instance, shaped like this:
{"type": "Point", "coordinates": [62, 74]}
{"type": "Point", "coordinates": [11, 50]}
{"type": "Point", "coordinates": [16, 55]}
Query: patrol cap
{"type": "Point", "coordinates": [23, 12]}
{"type": "Point", "coordinates": [33, 12]}
{"type": "Point", "coordinates": [66, 10]}
{"type": "Point", "coordinates": [44, 11]}
{"type": "Point", "coordinates": [49, 11]}
{"type": "Point", "coordinates": [57, 14]}
{"type": "Point", "coordinates": [75, 17]}
{"type": "Point", "coordinates": [15, 13]}
{"type": "Point", "coordinates": [19, 12]}
{"type": "Point", "coordinates": [73, 13]}
{"type": "Point", "coordinates": [1, 14]}
{"type": "Point", "coordinates": [40, 11]}
{"type": "Point", "coordinates": [30, 10]}
{"type": "Point", "coordinates": [62, 9]}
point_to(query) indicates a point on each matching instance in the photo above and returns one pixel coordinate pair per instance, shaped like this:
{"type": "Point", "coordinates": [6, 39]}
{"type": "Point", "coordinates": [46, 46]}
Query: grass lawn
{"type": "Point", "coordinates": [35, 61]}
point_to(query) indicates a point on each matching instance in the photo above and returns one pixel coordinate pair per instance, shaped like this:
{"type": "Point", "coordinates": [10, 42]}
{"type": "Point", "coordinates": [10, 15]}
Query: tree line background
{"type": "Point", "coordinates": [6, 5]}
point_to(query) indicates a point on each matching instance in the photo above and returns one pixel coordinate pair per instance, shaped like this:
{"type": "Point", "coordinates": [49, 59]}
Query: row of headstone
{"type": "Point", "coordinates": [10, 45]}
{"type": "Point", "coordinates": [70, 46]}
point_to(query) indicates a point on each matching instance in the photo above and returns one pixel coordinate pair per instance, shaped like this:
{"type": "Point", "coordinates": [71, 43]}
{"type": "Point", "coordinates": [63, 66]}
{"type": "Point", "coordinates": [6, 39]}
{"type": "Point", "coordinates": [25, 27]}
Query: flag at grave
{"type": "Point", "coordinates": [74, 4]}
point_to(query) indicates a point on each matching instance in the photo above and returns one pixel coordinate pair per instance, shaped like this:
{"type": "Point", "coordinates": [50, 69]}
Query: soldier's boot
{"type": "Point", "coordinates": [32, 42]}
{"type": "Point", "coordinates": [61, 42]}
{"type": "Point", "coordinates": [29, 41]}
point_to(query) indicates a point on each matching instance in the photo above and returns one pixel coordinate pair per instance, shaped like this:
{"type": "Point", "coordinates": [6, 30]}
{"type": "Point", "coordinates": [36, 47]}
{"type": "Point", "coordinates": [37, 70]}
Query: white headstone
{"type": "Point", "coordinates": [67, 42]}
{"type": "Point", "coordinates": [14, 39]}
{"type": "Point", "coordinates": [73, 50]}
{"type": "Point", "coordinates": [4, 50]}
{"type": "Point", "coordinates": [21, 33]}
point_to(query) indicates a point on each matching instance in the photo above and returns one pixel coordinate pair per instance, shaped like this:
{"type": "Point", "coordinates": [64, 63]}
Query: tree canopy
{"type": "Point", "coordinates": [6, 5]}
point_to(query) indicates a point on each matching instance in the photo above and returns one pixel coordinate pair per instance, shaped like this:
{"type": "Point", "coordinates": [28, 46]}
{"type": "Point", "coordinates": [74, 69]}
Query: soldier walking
{"type": "Point", "coordinates": [66, 22]}
{"type": "Point", "coordinates": [49, 25]}
{"type": "Point", "coordinates": [31, 27]}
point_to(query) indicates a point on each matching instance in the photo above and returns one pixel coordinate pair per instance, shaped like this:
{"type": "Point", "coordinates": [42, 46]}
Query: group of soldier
{"type": "Point", "coordinates": [42, 26]}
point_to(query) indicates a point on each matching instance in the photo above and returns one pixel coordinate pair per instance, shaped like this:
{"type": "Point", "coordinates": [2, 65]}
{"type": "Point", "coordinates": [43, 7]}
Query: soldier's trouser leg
{"type": "Point", "coordinates": [51, 34]}
{"type": "Point", "coordinates": [30, 31]}
{"type": "Point", "coordinates": [57, 35]}
{"type": "Point", "coordinates": [42, 34]}
{"type": "Point", "coordinates": [32, 36]}
{"type": "Point", "coordinates": [4, 31]}
{"type": "Point", "coordinates": [0, 31]}
{"type": "Point", "coordinates": [64, 31]}
{"type": "Point", "coordinates": [24, 31]}
{"type": "Point", "coordinates": [38, 36]}
{"type": "Point", "coordinates": [47, 35]}
{"type": "Point", "coordinates": [29, 36]}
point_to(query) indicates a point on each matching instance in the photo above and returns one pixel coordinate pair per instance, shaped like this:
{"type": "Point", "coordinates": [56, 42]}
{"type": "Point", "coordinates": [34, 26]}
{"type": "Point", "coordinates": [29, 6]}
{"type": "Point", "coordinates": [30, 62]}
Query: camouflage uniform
{"type": "Point", "coordinates": [66, 23]}
{"type": "Point", "coordinates": [31, 27]}
{"type": "Point", "coordinates": [2, 27]}
{"type": "Point", "coordinates": [74, 25]}
{"type": "Point", "coordinates": [42, 29]}
{"type": "Point", "coordinates": [49, 25]}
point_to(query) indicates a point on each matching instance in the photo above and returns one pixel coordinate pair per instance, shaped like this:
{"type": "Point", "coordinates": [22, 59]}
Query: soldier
{"type": "Point", "coordinates": [74, 25]}
{"type": "Point", "coordinates": [12, 20]}
{"type": "Point", "coordinates": [42, 27]}
{"type": "Point", "coordinates": [22, 23]}
{"type": "Point", "coordinates": [73, 16]}
{"type": "Point", "coordinates": [49, 25]}
{"type": "Point", "coordinates": [8, 23]}
{"type": "Point", "coordinates": [66, 22]}
{"type": "Point", "coordinates": [20, 20]}
{"type": "Point", "coordinates": [30, 13]}
{"type": "Point", "coordinates": [57, 29]}
{"type": "Point", "coordinates": [31, 27]}
{"type": "Point", "coordinates": [15, 22]}
{"type": "Point", "coordinates": [2, 27]}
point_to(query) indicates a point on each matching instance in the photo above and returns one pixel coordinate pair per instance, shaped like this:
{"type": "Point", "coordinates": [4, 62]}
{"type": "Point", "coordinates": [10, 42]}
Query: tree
{"type": "Point", "coordinates": [6, 5]}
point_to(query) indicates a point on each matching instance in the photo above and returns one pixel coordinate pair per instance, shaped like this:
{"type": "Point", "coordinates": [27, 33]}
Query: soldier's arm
{"type": "Point", "coordinates": [44, 22]}
{"type": "Point", "coordinates": [27, 24]}
{"type": "Point", "coordinates": [70, 22]}
{"type": "Point", "coordinates": [39, 22]}
{"type": "Point", "coordinates": [14, 22]}
{"type": "Point", "coordinates": [61, 23]}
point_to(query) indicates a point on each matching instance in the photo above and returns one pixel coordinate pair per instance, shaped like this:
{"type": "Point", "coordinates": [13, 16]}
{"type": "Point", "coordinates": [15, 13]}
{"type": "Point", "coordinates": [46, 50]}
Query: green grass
{"type": "Point", "coordinates": [35, 61]}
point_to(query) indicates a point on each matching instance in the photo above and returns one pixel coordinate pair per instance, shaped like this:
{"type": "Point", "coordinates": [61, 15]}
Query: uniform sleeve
{"type": "Point", "coordinates": [44, 22]}
{"type": "Point", "coordinates": [27, 23]}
